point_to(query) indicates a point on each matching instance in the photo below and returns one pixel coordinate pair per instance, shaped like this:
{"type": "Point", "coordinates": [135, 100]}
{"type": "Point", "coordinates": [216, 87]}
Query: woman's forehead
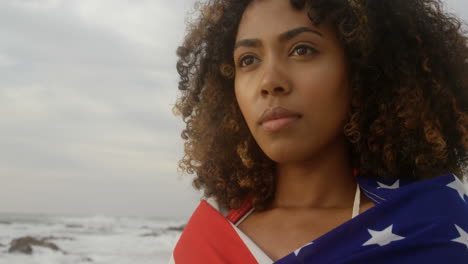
{"type": "Point", "coordinates": [270, 18]}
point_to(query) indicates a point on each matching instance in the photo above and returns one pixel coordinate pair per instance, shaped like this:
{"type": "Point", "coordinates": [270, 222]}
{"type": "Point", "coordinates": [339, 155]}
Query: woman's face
{"type": "Point", "coordinates": [283, 60]}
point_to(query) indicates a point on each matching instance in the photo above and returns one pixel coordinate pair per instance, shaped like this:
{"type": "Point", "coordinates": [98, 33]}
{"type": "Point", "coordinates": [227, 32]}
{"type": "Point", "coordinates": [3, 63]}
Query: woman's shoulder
{"type": "Point", "coordinates": [440, 200]}
{"type": "Point", "coordinates": [443, 190]}
{"type": "Point", "coordinates": [447, 187]}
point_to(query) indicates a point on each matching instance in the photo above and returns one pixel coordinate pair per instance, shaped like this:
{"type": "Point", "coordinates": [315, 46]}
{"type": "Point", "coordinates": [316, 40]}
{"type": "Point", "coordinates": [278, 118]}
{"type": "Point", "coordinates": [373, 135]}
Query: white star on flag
{"type": "Point", "coordinates": [383, 237]}
{"type": "Point", "coordinates": [395, 185]}
{"type": "Point", "coordinates": [458, 186]}
{"type": "Point", "coordinates": [463, 238]}
{"type": "Point", "coordinates": [296, 252]}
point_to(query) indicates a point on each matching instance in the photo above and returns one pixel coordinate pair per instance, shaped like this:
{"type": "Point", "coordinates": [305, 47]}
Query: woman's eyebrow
{"type": "Point", "coordinates": [282, 37]}
{"type": "Point", "coordinates": [296, 31]}
{"type": "Point", "coordinates": [247, 43]}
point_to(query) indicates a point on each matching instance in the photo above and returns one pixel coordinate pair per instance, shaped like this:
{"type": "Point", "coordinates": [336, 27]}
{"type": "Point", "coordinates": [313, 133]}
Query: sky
{"type": "Point", "coordinates": [86, 92]}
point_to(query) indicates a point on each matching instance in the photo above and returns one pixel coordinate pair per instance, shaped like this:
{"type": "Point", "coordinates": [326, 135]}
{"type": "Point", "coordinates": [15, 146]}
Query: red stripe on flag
{"type": "Point", "coordinates": [210, 238]}
{"type": "Point", "coordinates": [235, 215]}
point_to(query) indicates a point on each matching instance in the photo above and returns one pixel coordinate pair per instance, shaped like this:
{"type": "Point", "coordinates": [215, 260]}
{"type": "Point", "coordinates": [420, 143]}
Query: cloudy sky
{"type": "Point", "coordinates": [86, 91]}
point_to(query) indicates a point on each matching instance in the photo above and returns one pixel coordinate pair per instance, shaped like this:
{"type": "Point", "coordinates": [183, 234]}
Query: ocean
{"type": "Point", "coordinates": [96, 239]}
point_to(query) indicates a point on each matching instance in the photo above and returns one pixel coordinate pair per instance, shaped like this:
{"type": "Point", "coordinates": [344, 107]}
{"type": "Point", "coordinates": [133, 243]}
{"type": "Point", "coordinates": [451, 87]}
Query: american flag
{"type": "Point", "coordinates": [412, 222]}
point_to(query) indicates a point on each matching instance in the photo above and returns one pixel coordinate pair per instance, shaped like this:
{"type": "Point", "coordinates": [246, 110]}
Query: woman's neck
{"type": "Point", "coordinates": [326, 181]}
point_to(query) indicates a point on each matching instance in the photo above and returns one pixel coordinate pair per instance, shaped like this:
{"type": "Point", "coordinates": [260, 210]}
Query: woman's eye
{"type": "Point", "coordinates": [303, 50]}
{"type": "Point", "coordinates": [246, 60]}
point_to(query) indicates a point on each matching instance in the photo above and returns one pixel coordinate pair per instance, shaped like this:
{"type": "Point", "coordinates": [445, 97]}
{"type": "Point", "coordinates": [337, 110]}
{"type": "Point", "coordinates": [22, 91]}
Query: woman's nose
{"type": "Point", "coordinates": [275, 81]}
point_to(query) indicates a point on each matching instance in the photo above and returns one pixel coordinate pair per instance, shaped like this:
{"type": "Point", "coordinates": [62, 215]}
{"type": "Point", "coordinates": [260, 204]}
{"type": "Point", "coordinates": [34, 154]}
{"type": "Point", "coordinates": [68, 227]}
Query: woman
{"type": "Point", "coordinates": [325, 131]}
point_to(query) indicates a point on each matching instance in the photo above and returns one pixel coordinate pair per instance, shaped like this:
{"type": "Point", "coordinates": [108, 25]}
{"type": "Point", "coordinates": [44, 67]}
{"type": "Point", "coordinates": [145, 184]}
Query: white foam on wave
{"type": "Point", "coordinates": [102, 239]}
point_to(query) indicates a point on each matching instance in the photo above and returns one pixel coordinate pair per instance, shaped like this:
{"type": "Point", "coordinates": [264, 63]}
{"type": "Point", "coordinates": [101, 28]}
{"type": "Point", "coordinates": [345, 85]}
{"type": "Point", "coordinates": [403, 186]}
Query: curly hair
{"type": "Point", "coordinates": [409, 79]}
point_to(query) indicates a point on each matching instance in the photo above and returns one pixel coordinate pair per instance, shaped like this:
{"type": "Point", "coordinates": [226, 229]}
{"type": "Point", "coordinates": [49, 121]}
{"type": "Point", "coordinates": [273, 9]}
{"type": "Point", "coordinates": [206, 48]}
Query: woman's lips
{"type": "Point", "coordinates": [276, 118]}
{"type": "Point", "coordinates": [278, 124]}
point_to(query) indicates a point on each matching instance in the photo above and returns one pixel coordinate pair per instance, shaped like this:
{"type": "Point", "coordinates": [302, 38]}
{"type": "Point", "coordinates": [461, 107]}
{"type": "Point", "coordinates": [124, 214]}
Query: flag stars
{"type": "Point", "coordinates": [463, 238]}
{"type": "Point", "coordinates": [458, 186]}
{"type": "Point", "coordinates": [395, 185]}
{"type": "Point", "coordinates": [383, 237]}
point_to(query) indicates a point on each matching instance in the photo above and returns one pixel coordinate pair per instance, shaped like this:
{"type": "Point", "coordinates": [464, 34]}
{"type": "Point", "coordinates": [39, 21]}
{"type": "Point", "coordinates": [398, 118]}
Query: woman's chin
{"type": "Point", "coordinates": [286, 156]}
